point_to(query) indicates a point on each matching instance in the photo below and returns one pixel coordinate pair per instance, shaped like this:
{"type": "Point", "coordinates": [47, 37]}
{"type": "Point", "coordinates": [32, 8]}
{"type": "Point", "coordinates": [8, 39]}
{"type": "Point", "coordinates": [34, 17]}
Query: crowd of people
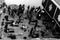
{"type": "Point", "coordinates": [34, 15]}
{"type": "Point", "coordinates": [30, 14]}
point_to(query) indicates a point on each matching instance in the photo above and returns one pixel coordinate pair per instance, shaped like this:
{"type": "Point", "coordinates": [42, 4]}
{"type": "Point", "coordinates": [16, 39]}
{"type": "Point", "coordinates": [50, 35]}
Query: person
{"type": "Point", "coordinates": [4, 4]}
{"type": "Point", "coordinates": [9, 9]}
{"type": "Point", "coordinates": [11, 36]}
{"type": "Point", "coordinates": [6, 17]}
{"type": "Point", "coordinates": [2, 23]}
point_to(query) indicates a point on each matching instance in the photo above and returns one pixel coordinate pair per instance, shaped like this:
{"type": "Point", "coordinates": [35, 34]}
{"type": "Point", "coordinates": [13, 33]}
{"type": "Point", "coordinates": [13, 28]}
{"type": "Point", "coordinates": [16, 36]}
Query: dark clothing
{"type": "Point", "coordinates": [11, 36]}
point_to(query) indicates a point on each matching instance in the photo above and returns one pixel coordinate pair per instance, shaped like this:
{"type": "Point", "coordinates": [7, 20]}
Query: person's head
{"type": "Point", "coordinates": [20, 5]}
{"type": "Point", "coordinates": [28, 7]}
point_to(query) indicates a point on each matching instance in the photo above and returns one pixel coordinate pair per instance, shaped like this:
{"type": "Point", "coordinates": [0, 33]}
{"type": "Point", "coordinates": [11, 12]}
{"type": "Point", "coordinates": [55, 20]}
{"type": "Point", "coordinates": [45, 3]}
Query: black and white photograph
{"type": "Point", "coordinates": [29, 19]}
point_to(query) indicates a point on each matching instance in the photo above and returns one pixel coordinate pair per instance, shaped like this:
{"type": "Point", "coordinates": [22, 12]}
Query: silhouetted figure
{"type": "Point", "coordinates": [11, 36]}
{"type": "Point", "coordinates": [6, 18]}
{"type": "Point", "coordinates": [9, 10]}
{"type": "Point", "coordinates": [2, 23]}
{"type": "Point", "coordinates": [28, 7]}
{"type": "Point", "coordinates": [4, 4]}
{"type": "Point", "coordinates": [33, 33]}
{"type": "Point", "coordinates": [32, 9]}
{"type": "Point", "coordinates": [5, 28]}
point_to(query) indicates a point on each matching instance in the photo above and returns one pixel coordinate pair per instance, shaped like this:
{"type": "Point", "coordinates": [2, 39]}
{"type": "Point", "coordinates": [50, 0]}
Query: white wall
{"type": "Point", "coordinates": [26, 2]}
